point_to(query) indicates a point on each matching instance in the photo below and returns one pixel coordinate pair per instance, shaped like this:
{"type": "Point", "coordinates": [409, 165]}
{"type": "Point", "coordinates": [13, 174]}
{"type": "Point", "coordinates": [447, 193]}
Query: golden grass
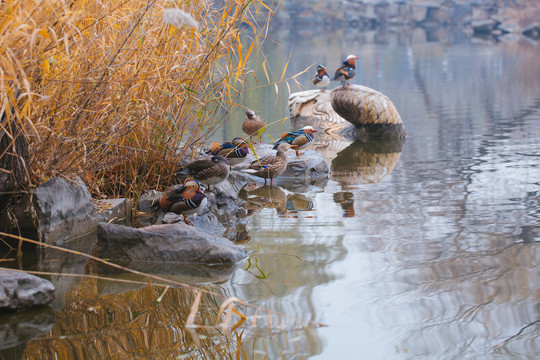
{"type": "Point", "coordinates": [108, 91]}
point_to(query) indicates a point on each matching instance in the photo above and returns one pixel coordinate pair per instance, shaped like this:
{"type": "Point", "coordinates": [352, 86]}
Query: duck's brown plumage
{"type": "Point", "coordinates": [209, 171]}
{"type": "Point", "coordinates": [270, 167]}
{"type": "Point", "coordinates": [252, 124]}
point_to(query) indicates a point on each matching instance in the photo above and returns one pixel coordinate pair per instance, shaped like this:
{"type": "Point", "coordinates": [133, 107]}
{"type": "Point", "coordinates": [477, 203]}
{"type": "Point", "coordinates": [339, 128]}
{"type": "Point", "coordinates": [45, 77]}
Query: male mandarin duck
{"type": "Point", "coordinates": [347, 71]}
{"type": "Point", "coordinates": [271, 166]}
{"type": "Point", "coordinates": [252, 124]}
{"type": "Point", "coordinates": [298, 139]}
{"type": "Point", "coordinates": [209, 171]}
{"type": "Point", "coordinates": [186, 200]}
{"type": "Point", "coordinates": [235, 151]}
{"type": "Point", "coordinates": [321, 79]}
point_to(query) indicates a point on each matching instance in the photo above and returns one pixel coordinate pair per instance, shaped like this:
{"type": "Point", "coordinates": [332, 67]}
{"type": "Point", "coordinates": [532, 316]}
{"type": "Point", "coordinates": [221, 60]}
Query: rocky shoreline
{"type": "Point", "coordinates": [474, 17]}
{"type": "Point", "coordinates": [62, 211]}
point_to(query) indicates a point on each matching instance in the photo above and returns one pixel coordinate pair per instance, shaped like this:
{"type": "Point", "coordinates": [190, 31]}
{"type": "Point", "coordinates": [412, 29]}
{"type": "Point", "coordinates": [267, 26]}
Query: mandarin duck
{"type": "Point", "coordinates": [234, 151]}
{"type": "Point", "coordinates": [271, 166]}
{"type": "Point", "coordinates": [186, 200]}
{"type": "Point", "coordinates": [252, 124]}
{"type": "Point", "coordinates": [347, 71]}
{"type": "Point", "coordinates": [321, 79]}
{"type": "Point", "coordinates": [209, 171]}
{"type": "Point", "coordinates": [297, 139]}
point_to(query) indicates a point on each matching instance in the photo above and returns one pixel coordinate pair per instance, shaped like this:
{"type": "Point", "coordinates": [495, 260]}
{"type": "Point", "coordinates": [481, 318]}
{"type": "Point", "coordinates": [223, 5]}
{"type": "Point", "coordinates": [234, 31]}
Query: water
{"type": "Point", "coordinates": [427, 250]}
{"type": "Point", "coordinates": [432, 252]}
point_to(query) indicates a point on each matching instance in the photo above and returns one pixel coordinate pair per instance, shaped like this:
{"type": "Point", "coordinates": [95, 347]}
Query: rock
{"type": "Point", "coordinates": [57, 210]}
{"type": "Point", "coordinates": [368, 110]}
{"type": "Point", "coordinates": [509, 27]}
{"type": "Point", "coordinates": [532, 31]}
{"type": "Point", "coordinates": [314, 108]}
{"type": "Point", "coordinates": [224, 216]}
{"type": "Point", "coordinates": [115, 210]}
{"type": "Point", "coordinates": [483, 26]}
{"type": "Point", "coordinates": [64, 208]}
{"type": "Point", "coordinates": [164, 243]}
{"type": "Point", "coordinates": [302, 171]}
{"type": "Point", "coordinates": [22, 290]}
{"type": "Point", "coordinates": [419, 13]}
{"type": "Point", "coordinates": [177, 272]}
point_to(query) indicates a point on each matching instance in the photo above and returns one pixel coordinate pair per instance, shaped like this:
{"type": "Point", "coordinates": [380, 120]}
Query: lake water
{"type": "Point", "coordinates": [426, 250]}
{"type": "Point", "coordinates": [432, 252]}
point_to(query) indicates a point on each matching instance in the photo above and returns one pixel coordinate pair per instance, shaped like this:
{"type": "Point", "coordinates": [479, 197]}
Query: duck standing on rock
{"type": "Point", "coordinates": [347, 71]}
{"type": "Point", "coordinates": [321, 79]}
{"type": "Point", "coordinates": [297, 139]}
{"type": "Point", "coordinates": [234, 151]}
{"type": "Point", "coordinates": [270, 166]}
{"type": "Point", "coordinates": [252, 124]}
{"type": "Point", "coordinates": [186, 200]}
{"type": "Point", "coordinates": [209, 171]}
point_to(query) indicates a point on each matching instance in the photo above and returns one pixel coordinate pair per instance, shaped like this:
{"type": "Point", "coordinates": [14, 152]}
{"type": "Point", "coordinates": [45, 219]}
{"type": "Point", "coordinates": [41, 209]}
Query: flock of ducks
{"type": "Point", "coordinates": [190, 198]}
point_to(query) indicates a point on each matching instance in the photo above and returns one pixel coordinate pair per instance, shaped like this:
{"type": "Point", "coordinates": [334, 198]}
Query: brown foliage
{"type": "Point", "coordinates": [111, 92]}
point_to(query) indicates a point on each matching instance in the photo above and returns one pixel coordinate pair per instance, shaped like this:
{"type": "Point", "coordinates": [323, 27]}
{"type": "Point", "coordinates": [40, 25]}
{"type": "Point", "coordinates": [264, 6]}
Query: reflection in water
{"type": "Point", "coordinates": [441, 259]}
{"type": "Point", "coordinates": [260, 197]}
{"type": "Point", "coordinates": [364, 162]}
{"type": "Point", "coordinates": [345, 199]}
{"type": "Point", "coordinates": [264, 197]}
{"type": "Point", "coordinates": [149, 321]}
{"type": "Point", "coordinates": [299, 202]}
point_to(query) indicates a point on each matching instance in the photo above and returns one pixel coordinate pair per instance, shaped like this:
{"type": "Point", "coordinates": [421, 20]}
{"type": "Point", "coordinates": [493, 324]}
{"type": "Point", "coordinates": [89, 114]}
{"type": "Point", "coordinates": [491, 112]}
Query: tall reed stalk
{"type": "Point", "coordinates": [117, 91]}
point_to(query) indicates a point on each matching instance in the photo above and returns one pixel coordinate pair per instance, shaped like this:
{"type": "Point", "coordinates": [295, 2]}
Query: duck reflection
{"type": "Point", "coordinates": [260, 197]}
{"type": "Point", "coordinates": [273, 197]}
{"type": "Point", "coordinates": [345, 199]}
{"type": "Point", "coordinates": [365, 162]}
{"type": "Point", "coordinates": [299, 202]}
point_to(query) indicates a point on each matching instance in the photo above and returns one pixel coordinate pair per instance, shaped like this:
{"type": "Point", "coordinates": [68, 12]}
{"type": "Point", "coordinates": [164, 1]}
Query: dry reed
{"type": "Point", "coordinates": [116, 92]}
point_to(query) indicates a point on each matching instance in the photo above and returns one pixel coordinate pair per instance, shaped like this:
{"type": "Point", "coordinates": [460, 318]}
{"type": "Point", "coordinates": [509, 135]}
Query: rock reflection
{"type": "Point", "coordinates": [365, 162]}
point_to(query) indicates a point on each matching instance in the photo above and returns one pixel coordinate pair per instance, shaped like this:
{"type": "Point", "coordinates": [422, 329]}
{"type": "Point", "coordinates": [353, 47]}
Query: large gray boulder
{"type": "Point", "coordinates": [22, 290]}
{"type": "Point", "coordinates": [55, 211]}
{"type": "Point", "coordinates": [165, 243]}
{"type": "Point", "coordinates": [368, 110]}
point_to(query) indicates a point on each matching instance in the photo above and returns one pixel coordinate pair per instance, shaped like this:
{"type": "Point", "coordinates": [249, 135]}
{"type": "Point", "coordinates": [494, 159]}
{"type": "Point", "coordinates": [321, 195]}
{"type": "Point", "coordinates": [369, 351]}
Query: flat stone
{"type": "Point", "coordinates": [22, 290]}
{"type": "Point", "coordinates": [301, 170]}
{"type": "Point", "coordinates": [116, 210]}
{"type": "Point", "coordinates": [165, 243]}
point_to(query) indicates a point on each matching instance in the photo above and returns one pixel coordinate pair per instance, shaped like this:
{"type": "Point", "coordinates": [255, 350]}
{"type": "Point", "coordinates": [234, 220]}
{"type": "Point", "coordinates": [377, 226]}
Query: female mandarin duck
{"type": "Point", "coordinates": [186, 200]}
{"type": "Point", "coordinates": [235, 151]}
{"type": "Point", "coordinates": [347, 71]}
{"type": "Point", "coordinates": [209, 171]}
{"type": "Point", "coordinates": [298, 139]}
{"type": "Point", "coordinates": [252, 124]}
{"type": "Point", "coordinates": [321, 79]}
{"type": "Point", "coordinates": [270, 166]}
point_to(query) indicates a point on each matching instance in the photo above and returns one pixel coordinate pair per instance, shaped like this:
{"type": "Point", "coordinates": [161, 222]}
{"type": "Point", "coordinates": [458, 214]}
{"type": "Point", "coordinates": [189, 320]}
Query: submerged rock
{"type": "Point", "coordinates": [165, 243]}
{"type": "Point", "coordinates": [22, 290]}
